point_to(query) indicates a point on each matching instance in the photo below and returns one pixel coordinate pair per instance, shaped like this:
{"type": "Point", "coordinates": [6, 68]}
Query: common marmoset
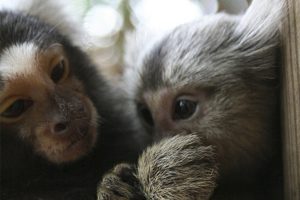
{"type": "Point", "coordinates": [61, 124]}
{"type": "Point", "coordinates": [216, 83]}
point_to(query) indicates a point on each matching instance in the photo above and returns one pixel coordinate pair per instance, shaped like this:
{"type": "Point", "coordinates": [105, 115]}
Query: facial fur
{"type": "Point", "coordinates": [208, 94]}
{"type": "Point", "coordinates": [61, 124]}
{"type": "Point", "coordinates": [42, 100]}
{"type": "Point", "coordinates": [209, 88]}
{"type": "Point", "coordinates": [217, 77]}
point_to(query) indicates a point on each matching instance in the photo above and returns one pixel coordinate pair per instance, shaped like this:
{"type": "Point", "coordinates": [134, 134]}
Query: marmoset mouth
{"type": "Point", "coordinates": [80, 144]}
{"type": "Point", "coordinates": [82, 133]}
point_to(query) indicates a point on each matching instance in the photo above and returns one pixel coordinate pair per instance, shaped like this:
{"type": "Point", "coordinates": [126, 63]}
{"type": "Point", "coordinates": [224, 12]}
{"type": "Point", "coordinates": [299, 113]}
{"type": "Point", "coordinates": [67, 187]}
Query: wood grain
{"type": "Point", "coordinates": [291, 101]}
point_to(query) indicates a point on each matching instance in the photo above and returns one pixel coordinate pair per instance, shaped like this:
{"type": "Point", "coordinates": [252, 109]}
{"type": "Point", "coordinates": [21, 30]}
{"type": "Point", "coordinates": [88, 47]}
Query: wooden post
{"type": "Point", "coordinates": [291, 101]}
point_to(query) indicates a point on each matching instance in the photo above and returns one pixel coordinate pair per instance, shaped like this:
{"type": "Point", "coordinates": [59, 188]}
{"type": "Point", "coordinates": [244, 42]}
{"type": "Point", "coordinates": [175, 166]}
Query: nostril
{"type": "Point", "coordinates": [60, 127]}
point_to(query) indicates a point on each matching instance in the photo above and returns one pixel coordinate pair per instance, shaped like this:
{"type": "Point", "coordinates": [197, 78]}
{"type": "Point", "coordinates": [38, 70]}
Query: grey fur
{"type": "Point", "coordinates": [181, 167]}
{"type": "Point", "coordinates": [234, 61]}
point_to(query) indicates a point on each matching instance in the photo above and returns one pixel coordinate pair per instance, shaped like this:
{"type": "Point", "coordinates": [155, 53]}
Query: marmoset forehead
{"type": "Point", "coordinates": [191, 50]}
{"type": "Point", "coordinates": [18, 60]}
{"type": "Point", "coordinates": [22, 39]}
{"type": "Point", "coordinates": [20, 29]}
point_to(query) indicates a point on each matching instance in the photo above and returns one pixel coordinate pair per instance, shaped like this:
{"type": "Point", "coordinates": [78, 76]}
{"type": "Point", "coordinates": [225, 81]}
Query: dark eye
{"type": "Point", "coordinates": [58, 71]}
{"type": "Point", "coordinates": [17, 108]}
{"type": "Point", "coordinates": [184, 109]}
{"type": "Point", "coordinates": [145, 114]}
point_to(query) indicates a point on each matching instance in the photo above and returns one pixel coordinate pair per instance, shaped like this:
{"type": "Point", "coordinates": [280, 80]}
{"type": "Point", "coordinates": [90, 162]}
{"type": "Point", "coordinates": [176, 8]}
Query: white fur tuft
{"type": "Point", "coordinates": [18, 60]}
{"type": "Point", "coordinates": [262, 19]}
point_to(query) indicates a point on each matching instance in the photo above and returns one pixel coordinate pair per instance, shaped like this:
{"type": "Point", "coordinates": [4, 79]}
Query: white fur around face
{"type": "Point", "coordinates": [18, 60]}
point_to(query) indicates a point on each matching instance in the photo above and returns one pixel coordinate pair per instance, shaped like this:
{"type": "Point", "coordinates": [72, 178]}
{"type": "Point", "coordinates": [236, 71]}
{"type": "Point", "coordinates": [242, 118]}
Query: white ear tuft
{"type": "Point", "coordinates": [262, 20]}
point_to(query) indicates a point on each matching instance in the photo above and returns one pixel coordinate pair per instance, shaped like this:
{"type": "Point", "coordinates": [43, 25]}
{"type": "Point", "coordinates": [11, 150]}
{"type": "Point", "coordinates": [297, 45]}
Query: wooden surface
{"type": "Point", "coordinates": [291, 101]}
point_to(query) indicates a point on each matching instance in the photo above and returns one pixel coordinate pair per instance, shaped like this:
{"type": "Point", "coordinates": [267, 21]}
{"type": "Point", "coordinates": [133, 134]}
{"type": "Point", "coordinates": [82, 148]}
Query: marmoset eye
{"type": "Point", "coordinates": [58, 71]}
{"type": "Point", "coordinates": [145, 114]}
{"type": "Point", "coordinates": [17, 108]}
{"type": "Point", "coordinates": [184, 109]}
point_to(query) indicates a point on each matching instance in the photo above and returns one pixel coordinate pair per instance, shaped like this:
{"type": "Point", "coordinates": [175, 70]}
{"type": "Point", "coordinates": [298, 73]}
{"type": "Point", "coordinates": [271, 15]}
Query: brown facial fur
{"type": "Point", "coordinates": [61, 123]}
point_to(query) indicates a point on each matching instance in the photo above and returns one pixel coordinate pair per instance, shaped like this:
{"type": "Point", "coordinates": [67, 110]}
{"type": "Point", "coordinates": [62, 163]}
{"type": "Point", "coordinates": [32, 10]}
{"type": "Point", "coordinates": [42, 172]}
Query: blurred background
{"type": "Point", "coordinates": [108, 22]}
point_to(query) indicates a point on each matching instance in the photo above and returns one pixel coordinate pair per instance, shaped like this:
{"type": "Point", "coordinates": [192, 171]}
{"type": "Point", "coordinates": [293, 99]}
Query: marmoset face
{"type": "Point", "coordinates": [42, 101]}
{"type": "Point", "coordinates": [218, 78]}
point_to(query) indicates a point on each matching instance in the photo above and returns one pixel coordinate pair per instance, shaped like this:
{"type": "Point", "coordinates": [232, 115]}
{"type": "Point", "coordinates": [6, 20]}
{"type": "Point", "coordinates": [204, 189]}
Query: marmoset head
{"type": "Point", "coordinates": [216, 77]}
{"type": "Point", "coordinates": [43, 98]}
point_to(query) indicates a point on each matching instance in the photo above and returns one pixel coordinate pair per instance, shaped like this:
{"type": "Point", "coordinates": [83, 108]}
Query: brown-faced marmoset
{"type": "Point", "coordinates": [62, 125]}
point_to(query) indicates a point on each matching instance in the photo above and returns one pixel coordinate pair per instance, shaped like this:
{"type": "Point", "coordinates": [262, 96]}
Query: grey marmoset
{"type": "Point", "coordinates": [218, 79]}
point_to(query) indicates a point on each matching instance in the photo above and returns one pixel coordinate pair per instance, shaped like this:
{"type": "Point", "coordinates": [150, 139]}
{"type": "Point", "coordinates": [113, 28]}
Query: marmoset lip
{"type": "Point", "coordinates": [79, 146]}
{"type": "Point", "coordinates": [79, 138]}
{"type": "Point", "coordinates": [80, 133]}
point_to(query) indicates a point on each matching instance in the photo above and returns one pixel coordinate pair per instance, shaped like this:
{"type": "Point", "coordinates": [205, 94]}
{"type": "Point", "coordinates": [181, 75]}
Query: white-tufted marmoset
{"type": "Point", "coordinates": [62, 125]}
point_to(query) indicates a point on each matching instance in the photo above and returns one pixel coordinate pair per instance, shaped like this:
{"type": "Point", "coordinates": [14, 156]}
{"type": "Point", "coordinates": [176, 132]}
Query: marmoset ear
{"type": "Point", "coordinates": [261, 23]}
